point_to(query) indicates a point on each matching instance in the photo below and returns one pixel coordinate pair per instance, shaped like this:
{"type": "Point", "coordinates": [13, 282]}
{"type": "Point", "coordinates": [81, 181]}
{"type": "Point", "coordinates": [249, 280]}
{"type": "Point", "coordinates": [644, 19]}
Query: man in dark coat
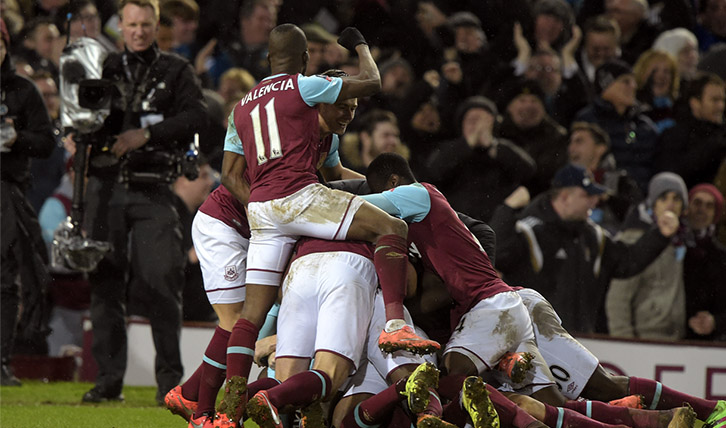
{"type": "Point", "coordinates": [26, 133]}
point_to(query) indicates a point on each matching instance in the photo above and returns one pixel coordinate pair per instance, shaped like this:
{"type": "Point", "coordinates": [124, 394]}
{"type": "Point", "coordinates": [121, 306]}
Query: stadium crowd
{"type": "Point", "coordinates": [589, 136]}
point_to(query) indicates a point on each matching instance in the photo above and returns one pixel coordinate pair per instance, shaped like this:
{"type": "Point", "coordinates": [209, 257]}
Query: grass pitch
{"type": "Point", "coordinates": [58, 405]}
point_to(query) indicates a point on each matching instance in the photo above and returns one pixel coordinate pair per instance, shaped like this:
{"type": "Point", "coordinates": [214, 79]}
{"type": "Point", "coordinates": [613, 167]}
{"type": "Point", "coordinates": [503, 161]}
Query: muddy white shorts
{"type": "Point", "coordinates": [496, 325]}
{"type": "Point", "coordinates": [326, 305]}
{"type": "Point", "coordinates": [276, 225]}
{"type": "Point", "coordinates": [570, 362]}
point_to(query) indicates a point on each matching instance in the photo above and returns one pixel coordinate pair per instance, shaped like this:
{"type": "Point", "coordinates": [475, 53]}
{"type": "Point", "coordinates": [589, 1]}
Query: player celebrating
{"type": "Point", "coordinates": [271, 166]}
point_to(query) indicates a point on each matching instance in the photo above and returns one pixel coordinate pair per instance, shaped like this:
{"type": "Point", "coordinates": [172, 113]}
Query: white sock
{"type": "Point", "coordinates": [393, 325]}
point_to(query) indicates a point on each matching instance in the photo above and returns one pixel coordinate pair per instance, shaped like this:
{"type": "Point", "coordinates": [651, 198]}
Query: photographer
{"type": "Point", "coordinates": [25, 132]}
{"type": "Point", "coordinates": [134, 159]}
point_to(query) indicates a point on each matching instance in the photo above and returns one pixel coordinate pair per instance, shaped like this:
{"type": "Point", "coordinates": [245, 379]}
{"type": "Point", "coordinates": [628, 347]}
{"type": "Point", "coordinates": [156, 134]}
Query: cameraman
{"type": "Point", "coordinates": [26, 132]}
{"type": "Point", "coordinates": [134, 159]}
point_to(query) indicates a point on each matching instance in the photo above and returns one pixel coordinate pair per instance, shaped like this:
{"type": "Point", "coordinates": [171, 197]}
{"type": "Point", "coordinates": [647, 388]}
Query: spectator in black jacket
{"type": "Point", "coordinates": [632, 134]}
{"type": "Point", "coordinates": [527, 124]}
{"type": "Point", "coordinates": [26, 133]}
{"type": "Point", "coordinates": [553, 248]}
{"type": "Point", "coordinates": [477, 170]}
{"type": "Point", "coordinates": [695, 147]}
{"type": "Point", "coordinates": [705, 266]}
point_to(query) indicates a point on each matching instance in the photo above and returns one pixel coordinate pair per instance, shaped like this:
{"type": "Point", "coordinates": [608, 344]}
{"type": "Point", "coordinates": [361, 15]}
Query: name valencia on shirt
{"type": "Point", "coordinates": [280, 85]}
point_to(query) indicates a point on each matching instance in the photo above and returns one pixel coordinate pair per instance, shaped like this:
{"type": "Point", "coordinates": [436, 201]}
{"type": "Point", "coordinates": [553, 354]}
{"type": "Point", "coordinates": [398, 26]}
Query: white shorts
{"type": "Point", "coordinates": [570, 362]}
{"type": "Point", "coordinates": [222, 254]}
{"type": "Point", "coordinates": [326, 306]}
{"type": "Point", "coordinates": [372, 376]}
{"type": "Point", "coordinates": [496, 325]}
{"type": "Point", "coordinates": [276, 225]}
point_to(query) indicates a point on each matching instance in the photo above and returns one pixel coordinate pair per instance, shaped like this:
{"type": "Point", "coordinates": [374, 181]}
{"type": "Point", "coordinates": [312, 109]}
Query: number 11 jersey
{"type": "Point", "coordinates": [275, 126]}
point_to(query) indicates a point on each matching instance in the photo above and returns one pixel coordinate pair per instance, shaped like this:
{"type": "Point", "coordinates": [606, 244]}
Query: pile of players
{"type": "Point", "coordinates": [274, 230]}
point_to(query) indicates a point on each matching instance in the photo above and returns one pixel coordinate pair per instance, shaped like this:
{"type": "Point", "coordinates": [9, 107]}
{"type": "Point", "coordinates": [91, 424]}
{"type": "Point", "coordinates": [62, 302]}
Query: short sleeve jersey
{"type": "Point", "coordinates": [279, 135]}
{"type": "Point", "coordinates": [447, 247]}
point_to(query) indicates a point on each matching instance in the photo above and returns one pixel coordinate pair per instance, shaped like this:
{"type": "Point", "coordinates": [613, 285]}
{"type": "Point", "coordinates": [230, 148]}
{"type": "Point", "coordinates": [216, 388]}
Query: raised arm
{"type": "Point", "coordinates": [368, 81]}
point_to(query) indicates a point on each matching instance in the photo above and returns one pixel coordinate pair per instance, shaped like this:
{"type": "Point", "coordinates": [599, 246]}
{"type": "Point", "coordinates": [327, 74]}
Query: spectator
{"type": "Point", "coordinates": [682, 45]}
{"type": "Point", "coordinates": [553, 21]}
{"type": "Point", "coordinates": [632, 134]}
{"type": "Point", "coordinates": [553, 248]}
{"type": "Point", "coordinates": [652, 304]}
{"type": "Point", "coordinates": [601, 44]}
{"type": "Point", "coordinates": [234, 84]}
{"type": "Point", "coordinates": [477, 171]}
{"type": "Point", "coordinates": [471, 52]}
{"type": "Point", "coordinates": [184, 15]}
{"type": "Point", "coordinates": [397, 83]}
{"type": "Point", "coordinates": [379, 134]}
{"type": "Point", "coordinates": [637, 34]}
{"type": "Point", "coordinates": [711, 26]}
{"type": "Point", "coordinates": [705, 266]}
{"type": "Point", "coordinates": [565, 89]}
{"type": "Point", "coordinates": [589, 148]}
{"type": "Point", "coordinates": [696, 146]}
{"type": "Point", "coordinates": [47, 173]}
{"type": "Point", "coordinates": [527, 124]}
{"type": "Point", "coordinates": [249, 50]}
{"type": "Point", "coordinates": [656, 74]}
{"type": "Point", "coordinates": [84, 22]}
{"type": "Point", "coordinates": [40, 45]}
{"type": "Point", "coordinates": [319, 40]}
{"type": "Point", "coordinates": [26, 133]}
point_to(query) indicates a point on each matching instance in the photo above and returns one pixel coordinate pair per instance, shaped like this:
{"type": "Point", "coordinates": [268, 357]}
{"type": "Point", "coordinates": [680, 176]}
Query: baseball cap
{"type": "Point", "coordinates": [573, 176]}
{"type": "Point", "coordinates": [513, 88]}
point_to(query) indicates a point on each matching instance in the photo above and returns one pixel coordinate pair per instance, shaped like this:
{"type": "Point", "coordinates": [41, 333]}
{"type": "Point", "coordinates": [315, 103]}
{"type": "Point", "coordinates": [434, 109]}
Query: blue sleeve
{"type": "Point", "coordinates": [232, 143]}
{"type": "Point", "coordinates": [319, 89]}
{"type": "Point", "coordinates": [411, 202]}
{"type": "Point", "coordinates": [270, 326]}
{"type": "Point", "coordinates": [333, 158]}
{"type": "Point", "coordinates": [52, 213]}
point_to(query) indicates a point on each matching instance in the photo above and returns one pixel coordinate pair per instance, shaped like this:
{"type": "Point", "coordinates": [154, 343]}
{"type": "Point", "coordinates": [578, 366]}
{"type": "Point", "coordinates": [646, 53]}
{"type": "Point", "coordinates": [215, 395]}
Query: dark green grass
{"type": "Point", "coordinates": [58, 405]}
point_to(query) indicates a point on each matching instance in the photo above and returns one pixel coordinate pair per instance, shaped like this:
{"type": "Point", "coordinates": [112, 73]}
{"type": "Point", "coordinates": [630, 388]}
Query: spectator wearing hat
{"type": "Point", "coordinates": [527, 124]}
{"type": "Point", "coordinates": [319, 41]}
{"type": "Point", "coordinates": [682, 45]}
{"type": "Point", "coordinates": [589, 147]}
{"type": "Point", "coordinates": [552, 247]}
{"type": "Point", "coordinates": [696, 146]}
{"type": "Point", "coordinates": [471, 53]}
{"type": "Point", "coordinates": [705, 265]}
{"type": "Point", "coordinates": [652, 303]}
{"type": "Point", "coordinates": [477, 170]}
{"type": "Point", "coordinates": [553, 23]}
{"type": "Point", "coordinates": [632, 134]}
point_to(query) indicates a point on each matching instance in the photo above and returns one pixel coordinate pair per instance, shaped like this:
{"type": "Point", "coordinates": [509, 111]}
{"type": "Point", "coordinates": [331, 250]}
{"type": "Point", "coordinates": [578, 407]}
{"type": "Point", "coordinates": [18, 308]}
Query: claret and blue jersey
{"type": "Point", "coordinates": [276, 128]}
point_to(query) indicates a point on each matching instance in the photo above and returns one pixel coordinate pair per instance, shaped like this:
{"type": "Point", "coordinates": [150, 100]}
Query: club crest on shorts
{"type": "Point", "coordinates": [230, 273]}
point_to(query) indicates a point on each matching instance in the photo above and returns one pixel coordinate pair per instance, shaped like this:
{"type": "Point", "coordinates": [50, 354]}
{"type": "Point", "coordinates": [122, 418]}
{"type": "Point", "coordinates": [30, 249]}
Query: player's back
{"type": "Point", "coordinates": [223, 206]}
{"type": "Point", "coordinates": [280, 135]}
{"type": "Point", "coordinates": [451, 251]}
